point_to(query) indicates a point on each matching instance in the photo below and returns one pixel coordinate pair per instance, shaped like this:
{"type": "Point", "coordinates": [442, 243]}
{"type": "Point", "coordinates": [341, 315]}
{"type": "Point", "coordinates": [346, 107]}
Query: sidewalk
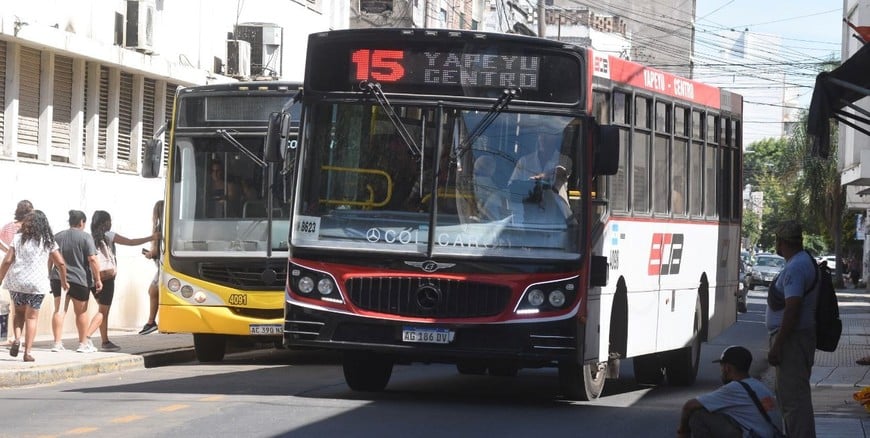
{"type": "Point", "coordinates": [835, 375]}
{"type": "Point", "coordinates": [137, 352]}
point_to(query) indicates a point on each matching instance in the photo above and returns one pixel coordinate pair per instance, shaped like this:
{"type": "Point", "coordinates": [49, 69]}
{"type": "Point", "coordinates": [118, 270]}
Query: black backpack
{"type": "Point", "coordinates": [829, 327]}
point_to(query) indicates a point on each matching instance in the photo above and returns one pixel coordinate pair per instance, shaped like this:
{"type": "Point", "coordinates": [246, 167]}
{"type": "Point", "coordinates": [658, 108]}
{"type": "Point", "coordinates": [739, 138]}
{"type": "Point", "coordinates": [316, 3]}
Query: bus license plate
{"type": "Point", "coordinates": [266, 329]}
{"type": "Point", "coordinates": [427, 335]}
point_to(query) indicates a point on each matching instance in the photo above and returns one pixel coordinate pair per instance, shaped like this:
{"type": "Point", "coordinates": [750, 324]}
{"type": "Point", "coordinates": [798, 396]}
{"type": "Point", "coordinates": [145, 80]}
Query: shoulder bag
{"type": "Point", "coordinates": [776, 432]}
{"type": "Point", "coordinates": [108, 267]}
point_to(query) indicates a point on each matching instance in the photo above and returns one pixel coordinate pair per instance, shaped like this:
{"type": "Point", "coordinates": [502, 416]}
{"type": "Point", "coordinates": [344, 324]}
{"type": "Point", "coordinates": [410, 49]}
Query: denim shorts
{"type": "Point", "coordinates": [23, 299]}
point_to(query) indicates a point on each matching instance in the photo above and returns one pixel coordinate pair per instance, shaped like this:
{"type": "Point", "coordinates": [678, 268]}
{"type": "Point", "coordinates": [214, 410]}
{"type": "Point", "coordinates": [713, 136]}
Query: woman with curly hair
{"type": "Point", "coordinates": [33, 250]}
{"type": "Point", "coordinates": [105, 240]}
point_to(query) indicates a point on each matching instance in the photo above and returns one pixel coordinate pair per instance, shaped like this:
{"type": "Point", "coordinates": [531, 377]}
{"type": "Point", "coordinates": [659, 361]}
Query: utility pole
{"type": "Point", "coordinates": [542, 23]}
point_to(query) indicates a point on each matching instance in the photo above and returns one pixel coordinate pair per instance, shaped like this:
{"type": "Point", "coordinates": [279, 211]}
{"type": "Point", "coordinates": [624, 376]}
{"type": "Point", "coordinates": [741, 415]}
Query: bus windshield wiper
{"type": "Point", "coordinates": [375, 89]}
{"type": "Point", "coordinates": [229, 138]}
{"type": "Point", "coordinates": [507, 96]}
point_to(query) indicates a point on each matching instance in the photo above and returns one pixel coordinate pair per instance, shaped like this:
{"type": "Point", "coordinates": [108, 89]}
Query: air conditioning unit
{"type": "Point", "coordinates": [238, 58]}
{"type": "Point", "coordinates": [140, 25]}
{"type": "Point", "coordinates": [266, 40]}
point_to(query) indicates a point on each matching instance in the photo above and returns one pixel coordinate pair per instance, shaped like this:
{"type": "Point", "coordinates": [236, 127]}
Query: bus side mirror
{"type": "Point", "coordinates": [607, 146]}
{"type": "Point", "coordinates": [598, 271]}
{"type": "Point", "coordinates": [275, 138]}
{"type": "Point", "coordinates": [151, 159]}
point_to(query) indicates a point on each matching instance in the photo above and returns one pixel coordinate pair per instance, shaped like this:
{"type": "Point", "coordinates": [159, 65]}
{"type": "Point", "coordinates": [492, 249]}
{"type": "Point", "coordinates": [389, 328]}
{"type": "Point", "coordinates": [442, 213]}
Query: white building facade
{"type": "Point", "coordinates": [84, 84]}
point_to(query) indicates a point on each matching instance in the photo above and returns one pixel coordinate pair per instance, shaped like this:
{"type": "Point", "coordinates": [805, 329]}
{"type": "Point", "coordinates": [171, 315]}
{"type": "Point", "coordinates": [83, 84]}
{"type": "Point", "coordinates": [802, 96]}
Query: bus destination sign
{"type": "Point", "coordinates": [440, 68]}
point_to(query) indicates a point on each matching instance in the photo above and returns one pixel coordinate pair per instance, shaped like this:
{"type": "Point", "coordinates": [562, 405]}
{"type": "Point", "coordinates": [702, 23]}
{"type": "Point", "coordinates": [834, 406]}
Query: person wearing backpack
{"type": "Point", "coordinates": [790, 320]}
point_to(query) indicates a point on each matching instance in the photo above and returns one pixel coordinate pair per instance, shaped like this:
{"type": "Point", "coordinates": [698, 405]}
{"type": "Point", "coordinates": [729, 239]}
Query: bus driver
{"type": "Point", "coordinates": [546, 165]}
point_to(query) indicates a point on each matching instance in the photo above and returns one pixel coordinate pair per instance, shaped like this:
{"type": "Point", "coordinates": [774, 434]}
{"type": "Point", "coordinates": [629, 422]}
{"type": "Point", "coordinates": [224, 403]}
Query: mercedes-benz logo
{"type": "Point", "coordinates": [373, 235]}
{"type": "Point", "coordinates": [430, 265]}
{"type": "Point", "coordinates": [428, 297]}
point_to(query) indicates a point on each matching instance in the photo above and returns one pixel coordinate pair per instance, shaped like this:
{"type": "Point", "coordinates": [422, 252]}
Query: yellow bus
{"type": "Point", "coordinates": [224, 260]}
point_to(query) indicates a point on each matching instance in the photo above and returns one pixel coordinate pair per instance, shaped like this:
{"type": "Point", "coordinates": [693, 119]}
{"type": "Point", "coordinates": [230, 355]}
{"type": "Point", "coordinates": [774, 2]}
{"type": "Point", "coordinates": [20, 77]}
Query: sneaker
{"type": "Point", "coordinates": [148, 328]}
{"type": "Point", "coordinates": [109, 346]}
{"type": "Point", "coordinates": [13, 349]}
{"type": "Point", "coordinates": [58, 347]}
{"type": "Point", "coordinates": [87, 347]}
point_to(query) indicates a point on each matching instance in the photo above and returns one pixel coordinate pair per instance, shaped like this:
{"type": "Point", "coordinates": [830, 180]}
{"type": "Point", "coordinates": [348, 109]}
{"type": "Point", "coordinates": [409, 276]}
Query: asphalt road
{"type": "Point", "coordinates": [291, 393]}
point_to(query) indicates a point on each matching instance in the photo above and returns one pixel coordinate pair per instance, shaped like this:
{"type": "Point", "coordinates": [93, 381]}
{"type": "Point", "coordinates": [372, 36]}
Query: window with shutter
{"type": "Point", "coordinates": [104, 116]}
{"type": "Point", "coordinates": [125, 122]}
{"type": "Point", "coordinates": [28, 103]}
{"type": "Point", "coordinates": [170, 101]}
{"type": "Point", "coordinates": [2, 87]}
{"type": "Point", "coordinates": [62, 112]}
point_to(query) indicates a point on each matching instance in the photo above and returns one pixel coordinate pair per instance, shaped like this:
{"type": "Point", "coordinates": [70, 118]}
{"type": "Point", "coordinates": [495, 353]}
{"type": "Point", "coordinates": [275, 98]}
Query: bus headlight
{"type": "Point", "coordinates": [305, 285]}
{"type": "Point", "coordinates": [174, 285]}
{"type": "Point", "coordinates": [536, 297]}
{"type": "Point", "coordinates": [548, 296]}
{"type": "Point", "coordinates": [556, 298]}
{"type": "Point", "coordinates": [199, 297]}
{"type": "Point", "coordinates": [325, 286]}
{"type": "Point", "coordinates": [186, 291]}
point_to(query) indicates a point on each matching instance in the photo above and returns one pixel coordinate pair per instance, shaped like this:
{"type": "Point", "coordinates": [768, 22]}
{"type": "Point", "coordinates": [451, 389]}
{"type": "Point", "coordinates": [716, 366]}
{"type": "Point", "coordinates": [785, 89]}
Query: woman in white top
{"type": "Point", "coordinates": [30, 257]}
{"type": "Point", "coordinates": [105, 240]}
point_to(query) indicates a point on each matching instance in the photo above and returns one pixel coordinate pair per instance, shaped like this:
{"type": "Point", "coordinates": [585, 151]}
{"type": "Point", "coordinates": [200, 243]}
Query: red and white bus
{"type": "Point", "coordinates": [452, 204]}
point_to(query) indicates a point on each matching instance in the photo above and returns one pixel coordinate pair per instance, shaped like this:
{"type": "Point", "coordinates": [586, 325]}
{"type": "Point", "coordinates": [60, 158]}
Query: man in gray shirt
{"type": "Point", "coordinates": [791, 322]}
{"type": "Point", "coordinates": [83, 271]}
{"type": "Point", "coordinates": [730, 411]}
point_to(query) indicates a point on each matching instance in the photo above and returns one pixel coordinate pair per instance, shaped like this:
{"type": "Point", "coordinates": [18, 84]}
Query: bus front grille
{"type": "Point", "coordinates": [245, 277]}
{"type": "Point", "coordinates": [428, 297]}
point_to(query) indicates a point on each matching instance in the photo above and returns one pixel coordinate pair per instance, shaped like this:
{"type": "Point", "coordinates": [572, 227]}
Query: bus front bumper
{"type": "Point", "coordinates": [528, 342]}
{"type": "Point", "coordinates": [215, 320]}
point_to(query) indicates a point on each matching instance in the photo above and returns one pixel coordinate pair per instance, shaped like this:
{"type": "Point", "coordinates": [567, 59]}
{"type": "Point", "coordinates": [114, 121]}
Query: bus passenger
{"type": "Point", "coordinates": [223, 192]}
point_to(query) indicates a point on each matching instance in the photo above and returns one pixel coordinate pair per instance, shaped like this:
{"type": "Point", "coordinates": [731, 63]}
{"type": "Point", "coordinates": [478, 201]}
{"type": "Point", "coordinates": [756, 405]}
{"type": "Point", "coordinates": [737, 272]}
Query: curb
{"type": "Point", "coordinates": [61, 372]}
{"type": "Point", "coordinates": [48, 374]}
{"type": "Point", "coordinates": [168, 357]}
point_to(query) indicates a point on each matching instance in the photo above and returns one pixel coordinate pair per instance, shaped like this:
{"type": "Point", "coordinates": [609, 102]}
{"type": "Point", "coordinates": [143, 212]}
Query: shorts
{"type": "Point", "coordinates": [105, 296]}
{"type": "Point", "coordinates": [156, 278]}
{"type": "Point", "coordinates": [23, 299]}
{"type": "Point", "coordinates": [55, 288]}
{"type": "Point", "coordinates": [77, 291]}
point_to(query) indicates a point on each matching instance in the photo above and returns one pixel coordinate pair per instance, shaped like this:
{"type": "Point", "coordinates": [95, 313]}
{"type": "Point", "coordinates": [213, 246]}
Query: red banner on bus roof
{"type": "Point", "coordinates": [648, 78]}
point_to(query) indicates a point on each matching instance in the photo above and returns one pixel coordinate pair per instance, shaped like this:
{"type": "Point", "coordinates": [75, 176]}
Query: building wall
{"type": "Point", "coordinates": [766, 95]}
{"type": "Point", "coordinates": [77, 108]}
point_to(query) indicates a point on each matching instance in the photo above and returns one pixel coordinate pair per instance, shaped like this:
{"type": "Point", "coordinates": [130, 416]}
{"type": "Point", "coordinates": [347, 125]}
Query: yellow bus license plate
{"type": "Point", "coordinates": [266, 329]}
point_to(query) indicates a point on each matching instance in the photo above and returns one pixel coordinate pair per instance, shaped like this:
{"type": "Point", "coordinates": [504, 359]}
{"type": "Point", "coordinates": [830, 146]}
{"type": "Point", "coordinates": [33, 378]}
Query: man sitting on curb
{"type": "Point", "coordinates": [733, 410]}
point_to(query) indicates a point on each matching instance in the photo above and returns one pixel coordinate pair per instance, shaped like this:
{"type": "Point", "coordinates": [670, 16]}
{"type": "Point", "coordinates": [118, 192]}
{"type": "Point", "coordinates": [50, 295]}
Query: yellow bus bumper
{"type": "Point", "coordinates": [208, 319]}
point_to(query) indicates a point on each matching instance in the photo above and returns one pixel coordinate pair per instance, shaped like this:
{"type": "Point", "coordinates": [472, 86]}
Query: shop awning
{"type": "Point", "coordinates": [835, 91]}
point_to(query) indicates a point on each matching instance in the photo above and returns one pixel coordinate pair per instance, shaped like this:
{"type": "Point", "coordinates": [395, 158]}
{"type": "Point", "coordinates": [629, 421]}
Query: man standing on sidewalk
{"type": "Point", "coordinates": [790, 320]}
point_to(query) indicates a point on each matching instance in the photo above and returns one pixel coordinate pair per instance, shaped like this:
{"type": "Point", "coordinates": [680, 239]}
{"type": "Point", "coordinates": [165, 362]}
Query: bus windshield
{"type": "Point", "coordinates": [511, 191]}
{"type": "Point", "coordinates": [220, 197]}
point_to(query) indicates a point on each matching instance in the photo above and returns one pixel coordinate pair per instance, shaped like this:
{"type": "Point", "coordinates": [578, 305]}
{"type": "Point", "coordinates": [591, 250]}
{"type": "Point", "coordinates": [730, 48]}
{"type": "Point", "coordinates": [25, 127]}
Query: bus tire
{"type": "Point", "coordinates": [682, 367]}
{"type": "Point", "coordinates": [583, 382]}
{"type": "Point", "coordinates": [648, 369]}
{"type": "Point", "coordinates": [209, 347]}
{"type": "Point", "coordinates": [366, 371]}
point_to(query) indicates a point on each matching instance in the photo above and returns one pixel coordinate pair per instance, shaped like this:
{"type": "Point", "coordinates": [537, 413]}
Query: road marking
{"type": "Point", "coordinates": [172, 408]}
{"type": "Point", "coordinates": [127, 419]}
{"type": "Point", "coordinates": [213, 398]}
{"type": "Point", "coordinates": [81, 430]}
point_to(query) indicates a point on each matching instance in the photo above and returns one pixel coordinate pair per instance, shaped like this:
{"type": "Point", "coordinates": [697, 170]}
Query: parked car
{"type": "Point", "coordinates": [763, 270]}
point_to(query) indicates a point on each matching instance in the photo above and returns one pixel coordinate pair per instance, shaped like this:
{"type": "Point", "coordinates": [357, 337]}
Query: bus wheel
{"type": "Point", "coordinates": [648, 369]}
{"type": "Point", "coordinates": [208, 347]}
{"type": "Point", "coordinates": [582, 382]}
{"type": "Point", "coordinates": [682, 367]}
{"type": "Point", "coordinates": [366, 371]}
{"type": "Point", "coordinates": [471, 367]}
